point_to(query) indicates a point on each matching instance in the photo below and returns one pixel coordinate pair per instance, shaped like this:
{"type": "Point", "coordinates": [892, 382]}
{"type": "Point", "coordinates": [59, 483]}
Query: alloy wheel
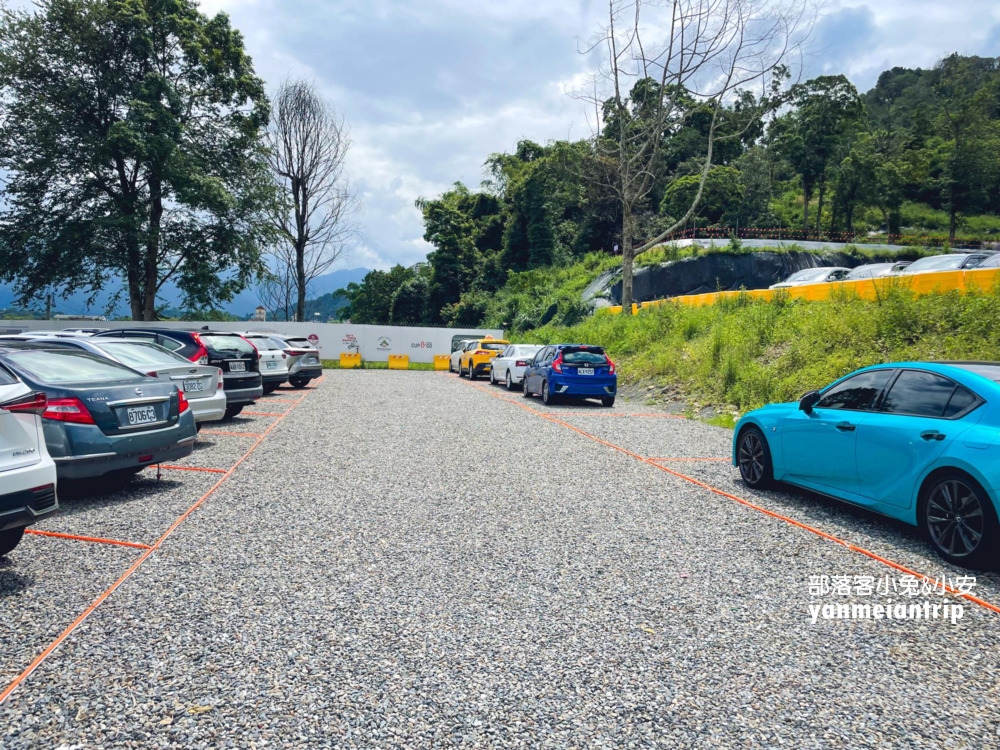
{"type": "Point", "coordinates": [510, 384]}
{"type": "Point", "coordinates": [955, 517]}
{"type": "Point", "coordinates": [751, 458]}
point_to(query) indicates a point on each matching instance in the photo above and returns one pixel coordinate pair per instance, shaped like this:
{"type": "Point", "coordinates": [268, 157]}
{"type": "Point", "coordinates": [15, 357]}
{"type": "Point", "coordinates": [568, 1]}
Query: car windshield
{"type": "Point", "coordinates": [986, 369]}
{"type": "Point", "coordinates": [591, 356]}
{"type": "Point", "coordinates": [937, 263]}
{"type": "Point", "coordinates": [224, 343]}
{"type": "Point", "coordinates": [864, 272]}
{"type": "Point", "coordinates": [57, 367]}
{"type": "Point", "coordinates": [141, 354]}
{"type": "Point", "coordinates": [810, 274]}
{"type": "Point", "coordinates": [494, 346]}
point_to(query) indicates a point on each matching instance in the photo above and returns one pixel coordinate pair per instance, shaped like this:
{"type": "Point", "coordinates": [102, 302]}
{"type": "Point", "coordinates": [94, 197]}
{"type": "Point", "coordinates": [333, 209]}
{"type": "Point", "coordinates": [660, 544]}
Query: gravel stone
{"type": "Point", "coordinates": [409, 562]}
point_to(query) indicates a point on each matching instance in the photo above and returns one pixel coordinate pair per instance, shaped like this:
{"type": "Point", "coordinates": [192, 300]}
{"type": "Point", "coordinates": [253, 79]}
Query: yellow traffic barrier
{"type": "Point", "coordinates": [442, 362]}
{"type": "Point", "coordinates": [399, 362]}
{"type": "Point", "coordinates": [350, 360]}
{"type": "Point", "coordinates": [924, 283]}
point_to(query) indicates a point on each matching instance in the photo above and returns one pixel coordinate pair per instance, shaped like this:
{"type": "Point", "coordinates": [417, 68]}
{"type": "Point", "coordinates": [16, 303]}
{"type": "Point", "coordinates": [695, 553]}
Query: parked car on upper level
{"type": "Point", "coordinates": [102, 417]}
{"type": "Point", "coordinates": [228, 351]}
{"type": "Point", "coordinates": [201, 384]}
{"type": "Point", "coordinates": [915, 441]}
{"type": "Point", "coordinates": [813, 276]}
{"type": "Point", "coordinates": [27, 472]}
{"type": "Point", "coordinates": [509, 367]}
{"type": "Point", "coordinates": [456, 356]}
{"type": "Point", "coordinates": [992, 261]}
{"type": "Point", "coordinates": [477, 358]}
{"type": "Point", "coordinates": [304, 363]}
{"type": "Point", "coordinates": [876, 270]}
{"type": "Point", "coordinates": [565, 370]}
{"type": "Point", "coordinates": [273, 361]}
{"type": "Point", "coordinates": [946, 262]}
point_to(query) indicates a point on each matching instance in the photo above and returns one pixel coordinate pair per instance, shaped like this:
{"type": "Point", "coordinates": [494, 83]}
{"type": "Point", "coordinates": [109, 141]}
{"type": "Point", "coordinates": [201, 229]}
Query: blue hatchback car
{"type": "Point", "coordinates": [917, 441]}
{"type": "Point", "coordinates": [571, 370]}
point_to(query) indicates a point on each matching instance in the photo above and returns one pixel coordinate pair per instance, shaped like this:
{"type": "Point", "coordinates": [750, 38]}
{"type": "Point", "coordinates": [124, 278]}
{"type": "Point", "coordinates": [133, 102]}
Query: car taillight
{"type": "Point", "coordinates": [219, 382]}
{"type": "Point", "coordinates": [67, 410]}
{"type": "Point", "coordinates": [521, 363]}
{"type": "Point", "coordinates": [182, 402]}
{"type": "Point", "coordinates": [295, 352]}
{"type": "Point", "coordinates": [200, 356]}
{"type": "Point", "coordinates": [33, 403]}
{"type": "Point", "coordinates": [152, 374]}
{"type": "Point", "coordinates": [611, 365]}
{"type": "Point", "coordinates": [557, 364]}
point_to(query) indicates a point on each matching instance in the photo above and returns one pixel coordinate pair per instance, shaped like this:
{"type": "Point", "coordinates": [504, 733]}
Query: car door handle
{"type": "Point", "coordinates": [846, 427]}
{"type": "Point", "coordinates": [932, 435]}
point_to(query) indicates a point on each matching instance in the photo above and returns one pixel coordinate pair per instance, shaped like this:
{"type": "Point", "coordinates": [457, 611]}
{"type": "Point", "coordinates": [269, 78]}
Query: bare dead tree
{"type": "Point", "coordinates": [308, 140]}
{"type": "Point", "coordinates": [695, 56]}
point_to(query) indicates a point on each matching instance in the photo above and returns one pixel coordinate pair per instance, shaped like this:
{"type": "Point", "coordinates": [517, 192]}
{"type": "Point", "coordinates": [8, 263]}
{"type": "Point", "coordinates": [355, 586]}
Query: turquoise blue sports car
{"type": "Point", "coordinates": [917, 441]}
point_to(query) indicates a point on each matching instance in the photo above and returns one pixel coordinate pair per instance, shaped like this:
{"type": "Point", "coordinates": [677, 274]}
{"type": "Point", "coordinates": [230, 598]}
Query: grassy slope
{"type": "Point", "coordinates": [742, 354]}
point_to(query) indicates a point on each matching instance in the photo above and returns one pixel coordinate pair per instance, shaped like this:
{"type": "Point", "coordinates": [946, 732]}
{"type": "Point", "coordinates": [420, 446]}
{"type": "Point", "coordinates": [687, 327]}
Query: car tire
{"type": "Point", "coordinates": [957, 516]}
{"type": "Point", "coordinates": [9, 539]}
{"type": "Point", "coordinates": [493, 380]}
{"type": "Point", "coordinates": [754, 458]}
{"type": "Point", "coordinates": [524, 388]}
{"type": "Point", "coordinates": [548, 397]}
{"type": "Point", "coordinates": [509, 383]}
{"type": "Point", "coordinates": [232, 411]}
{"type": "Point", "coordinates": [461, 370]}
{"type": "Point", "coordinates": [299, 383]}
{"type": "Point", "coordinates": [472, 373]}
{"type": "Point", "coordinates": [608, 400]}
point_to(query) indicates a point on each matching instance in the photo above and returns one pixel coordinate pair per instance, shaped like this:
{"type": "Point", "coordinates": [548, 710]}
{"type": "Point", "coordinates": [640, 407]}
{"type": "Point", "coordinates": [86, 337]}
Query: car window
{"type": "Point", "coordinates": [140, 354]}
{"type": "Point", "coordinates": [6, 378]}
{"type": "Point", "coordinates": [55, 367]}
{"type": "Point", "coordinates": [991, 262]}
{"type": "Point", "coordinates": [263, 343]}
{"type": "Point", "coordinates": [169, 343]}
{"type": "Point", "coordinates": [919, 394]}
{"type": "Point", "coordinates": [838, 274]}
{"type": "Point", "coordinates": [539, 358]}
{"type": "Point", "coordinates": [227, 343]}
{"type": "Point", "coordinates": [584, 356]}
{"type": "Point", "coordinates": [492, 346]}
{"type": "Point", "coordinates": [527, 351]}
{"type": "Point", "coordinates": [937, 263]}
{"type": "Point", "coordinates": [857, 393]}
{"type": "Point", "coordinates": [961, 400]}
{"type": "Point", "coordinates": [139, 335]}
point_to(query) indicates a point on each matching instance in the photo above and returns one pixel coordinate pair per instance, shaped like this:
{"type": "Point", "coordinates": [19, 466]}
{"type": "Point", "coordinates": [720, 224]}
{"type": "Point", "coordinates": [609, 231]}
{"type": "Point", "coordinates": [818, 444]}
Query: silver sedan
{"type": "Point", "coordinates": [509, 367]}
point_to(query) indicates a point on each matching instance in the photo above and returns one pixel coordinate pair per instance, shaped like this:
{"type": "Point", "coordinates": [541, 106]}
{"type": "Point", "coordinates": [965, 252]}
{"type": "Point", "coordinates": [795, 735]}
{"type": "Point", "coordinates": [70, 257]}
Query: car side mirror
{"type": "Point", "coordinates": [808, 401]}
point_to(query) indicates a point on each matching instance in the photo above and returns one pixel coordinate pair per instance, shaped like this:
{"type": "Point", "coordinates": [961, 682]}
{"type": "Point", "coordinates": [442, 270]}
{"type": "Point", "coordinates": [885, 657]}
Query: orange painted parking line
{"type": "Point", "coordinates": [692, 460]}
{"type": "Point", "coordinates": [38, 660]}
{"type": "Point", "coordinates": [619, 416]}
{"type": "Point", "coordinates": [231, 434]}
{"type": "Point", "coordinates": [747, 504]}
{"type": "Point", "coordinates": [95, 539]}
{"type": "Point", "coordinates": [264, 413]}
{"type": "Point", "coordinates": [195, 468]}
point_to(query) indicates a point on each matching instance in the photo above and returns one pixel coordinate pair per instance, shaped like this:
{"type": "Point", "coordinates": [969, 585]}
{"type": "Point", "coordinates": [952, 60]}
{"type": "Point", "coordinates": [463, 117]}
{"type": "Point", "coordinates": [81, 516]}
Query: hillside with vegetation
{"type": "Point", "coordinates": [915, 159]}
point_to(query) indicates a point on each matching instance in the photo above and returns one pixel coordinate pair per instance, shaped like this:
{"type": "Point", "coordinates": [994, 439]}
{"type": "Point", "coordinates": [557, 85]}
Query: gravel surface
{"type": "Point", "coordinates": [409, 562]}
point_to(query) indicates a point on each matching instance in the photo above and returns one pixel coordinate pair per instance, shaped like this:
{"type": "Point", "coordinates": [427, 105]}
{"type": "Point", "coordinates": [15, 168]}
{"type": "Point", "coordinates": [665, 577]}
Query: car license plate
{"type": "Point", "coordinates": [237, 367]}
{"type": "Point", "coordinates": [312, 361]}
{"type": "Point", "coordinates": [140, 414]}
{"type": "Point", "coordinates": [272, 364]}
{"type": "Point", "coordinates": [193, 385]}
{"type": "Point", "coordinates": [584, 370]}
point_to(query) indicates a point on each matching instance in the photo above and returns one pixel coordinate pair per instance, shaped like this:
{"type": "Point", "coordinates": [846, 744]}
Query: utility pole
{"type": "Point", "coordinates": [48, 306]}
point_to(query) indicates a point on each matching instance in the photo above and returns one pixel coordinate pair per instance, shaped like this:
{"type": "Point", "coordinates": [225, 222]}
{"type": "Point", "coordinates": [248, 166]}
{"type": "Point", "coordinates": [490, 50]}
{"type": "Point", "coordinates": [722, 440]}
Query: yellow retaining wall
{"type": "Point", "coordinates": [399, 362]}
{"type": "Point", "coordinates": [442, 362]}
{"type": "Point", "coordinates": [350, 360]}
{"type": "Point", "coordinates": [923, 283]}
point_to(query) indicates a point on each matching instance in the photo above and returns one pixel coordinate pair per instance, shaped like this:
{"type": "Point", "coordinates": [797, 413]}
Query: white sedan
{"type": "Point", "coordinates": [509, 367]}
{"type": "Point", "coordinates": [457, 354]}
{"type": "Point", "coordinates": [813, 276]}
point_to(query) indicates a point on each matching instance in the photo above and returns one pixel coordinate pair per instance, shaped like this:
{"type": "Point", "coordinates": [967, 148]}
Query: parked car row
{"type": "Point", "coordinates": [915, 441]}
{"type": "Point", "coordinates": [84, 404]}
{"type": "Point", "coordinates": [932, 264]}
{"type": "Point", "coordinates": [553, 372]}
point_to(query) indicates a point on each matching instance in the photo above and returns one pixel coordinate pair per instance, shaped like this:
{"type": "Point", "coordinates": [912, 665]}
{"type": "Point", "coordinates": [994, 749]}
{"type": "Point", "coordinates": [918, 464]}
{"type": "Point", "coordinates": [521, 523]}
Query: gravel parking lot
{"type": "Point", "coordinates": [407, 559]}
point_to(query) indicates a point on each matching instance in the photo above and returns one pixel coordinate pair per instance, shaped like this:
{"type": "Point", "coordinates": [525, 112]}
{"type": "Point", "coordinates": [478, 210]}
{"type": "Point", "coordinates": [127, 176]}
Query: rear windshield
{"type": "Point", "coordinates": [301, 343]}
{"type": "Point", "coordinates": [264, 343]}
{"type": "Point", "coordinates": [143, 355]}
{"type": "Point", "coordinates": [56, 367]}
{"type": "Point", "coordinates": [493, 346]}
{"type": "Point", "coordinates": [226, 343]}
{"type": "Point", "coordinates": [987, 370]}
{"type": "Point", "coordinates": [592, 356]}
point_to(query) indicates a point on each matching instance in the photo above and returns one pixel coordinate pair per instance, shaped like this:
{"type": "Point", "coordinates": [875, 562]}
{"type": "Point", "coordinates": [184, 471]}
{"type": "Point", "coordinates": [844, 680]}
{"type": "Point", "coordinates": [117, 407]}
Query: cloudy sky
{"type": "Point", "coordinates": [431, 88]}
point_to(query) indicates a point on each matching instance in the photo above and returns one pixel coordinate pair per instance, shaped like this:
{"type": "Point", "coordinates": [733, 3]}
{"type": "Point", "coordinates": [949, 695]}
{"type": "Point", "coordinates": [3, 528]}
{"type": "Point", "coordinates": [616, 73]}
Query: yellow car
{"type": "Point", "coordinates": [478, 356]}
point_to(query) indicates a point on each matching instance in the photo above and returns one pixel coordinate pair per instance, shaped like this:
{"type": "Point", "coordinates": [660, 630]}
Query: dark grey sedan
{"type": "Point", "coordinates": [102, 417]}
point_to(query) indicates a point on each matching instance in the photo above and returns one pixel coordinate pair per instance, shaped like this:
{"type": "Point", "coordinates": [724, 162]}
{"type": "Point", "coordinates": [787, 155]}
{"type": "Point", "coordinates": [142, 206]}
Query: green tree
{"type": "Point", "coordinates": [370, 302]}
{"type": "Point", "coordinates": [410, 305]}
{"type": "Point", "coordinates": [132, 136]}
{"type": "Point", "coordinates": [720, 200]}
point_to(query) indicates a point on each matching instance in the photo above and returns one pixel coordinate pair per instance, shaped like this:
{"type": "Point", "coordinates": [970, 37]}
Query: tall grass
{"type": "Point", "coordinates": [744, 353]}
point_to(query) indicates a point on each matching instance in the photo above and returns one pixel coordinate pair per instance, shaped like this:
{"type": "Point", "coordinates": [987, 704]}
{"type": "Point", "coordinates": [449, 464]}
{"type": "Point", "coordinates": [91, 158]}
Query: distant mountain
{"type": "Point", "coordinates": [242, 305]}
